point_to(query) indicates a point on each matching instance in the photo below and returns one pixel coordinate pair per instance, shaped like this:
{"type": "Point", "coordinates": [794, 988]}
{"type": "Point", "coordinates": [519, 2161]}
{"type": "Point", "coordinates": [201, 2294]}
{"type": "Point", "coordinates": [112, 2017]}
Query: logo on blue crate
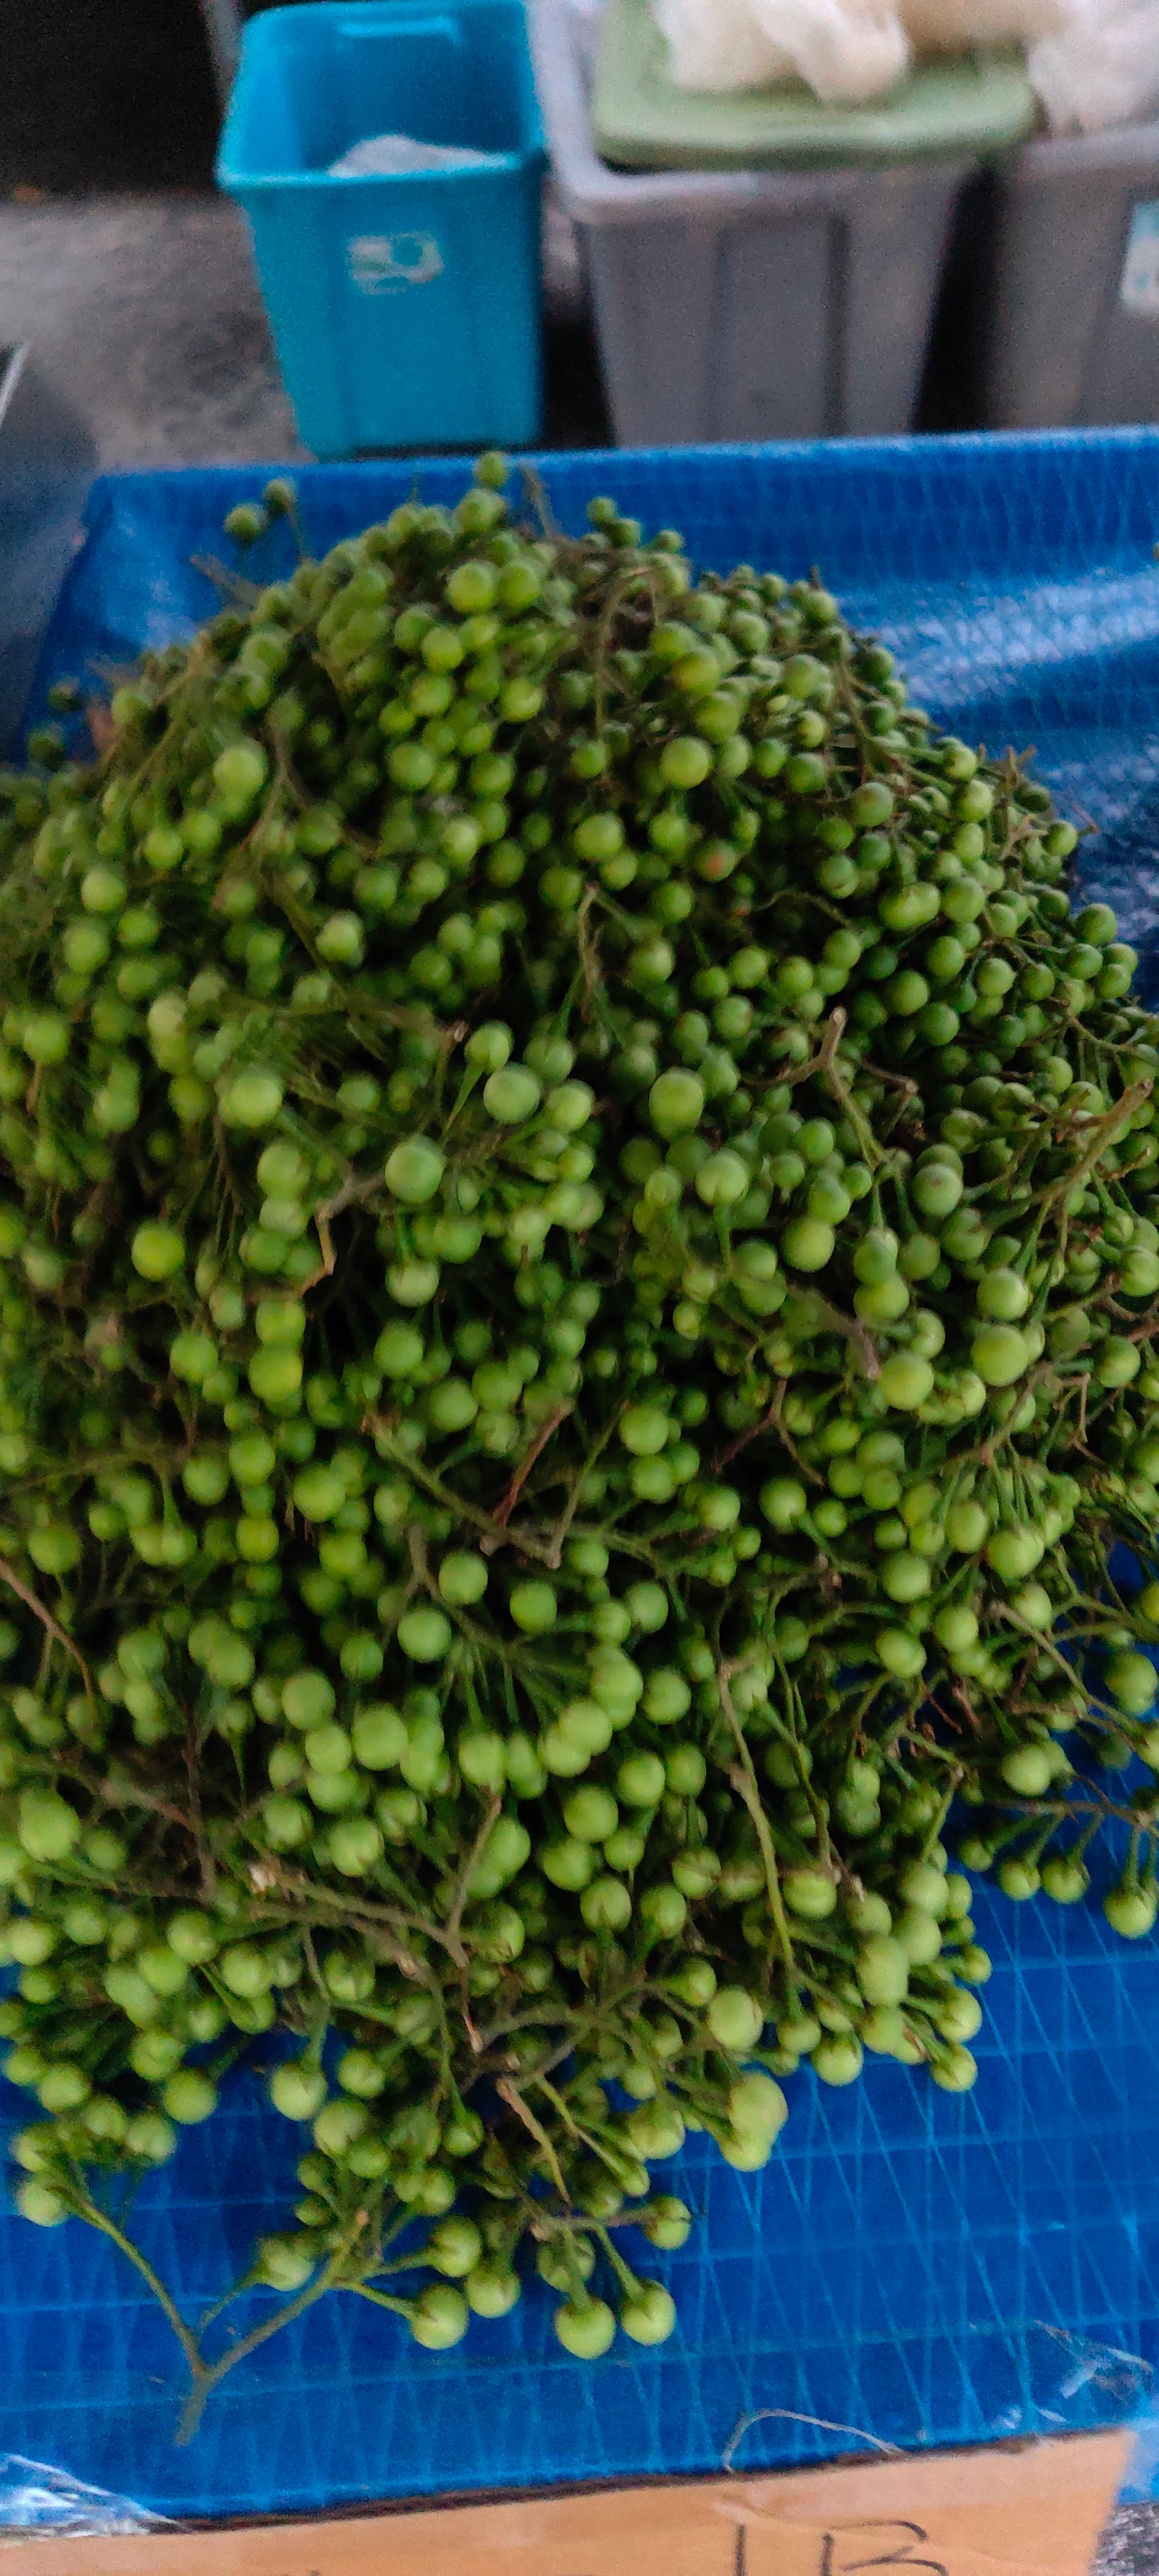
{"type": "Point", "coordinates": [1140, 287]}
{"type": "Point", "coordinates": [379, 263]}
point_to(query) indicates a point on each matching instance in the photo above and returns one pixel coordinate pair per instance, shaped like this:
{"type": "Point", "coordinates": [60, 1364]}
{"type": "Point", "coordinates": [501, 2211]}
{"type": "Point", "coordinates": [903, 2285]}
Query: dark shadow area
{"type": "Point", "coordinates": [951, 394]}
{"type": "Point", "coordinates": [575, 412]}
{"type": "Point", "coordinates": [105, 95]}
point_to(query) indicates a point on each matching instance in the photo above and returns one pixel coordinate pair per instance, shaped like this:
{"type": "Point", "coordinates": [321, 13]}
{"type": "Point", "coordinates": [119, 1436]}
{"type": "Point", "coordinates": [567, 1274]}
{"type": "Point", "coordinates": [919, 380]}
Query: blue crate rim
{"type": "Point", "coordinates": [827, 455]}
{"type": "Point", "coordinates": [258, 38]}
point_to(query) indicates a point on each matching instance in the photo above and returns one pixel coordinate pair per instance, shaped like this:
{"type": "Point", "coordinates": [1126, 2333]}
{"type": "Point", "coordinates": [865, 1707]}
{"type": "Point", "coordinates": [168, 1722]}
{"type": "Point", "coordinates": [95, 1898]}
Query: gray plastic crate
{"type": "Point", "coordinates": [746, 304]}
{"type": "Point", "coordinates": [1071, 337]}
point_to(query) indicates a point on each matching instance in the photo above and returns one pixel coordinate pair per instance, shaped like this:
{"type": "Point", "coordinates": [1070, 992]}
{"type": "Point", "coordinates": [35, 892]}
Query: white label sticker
{"type": "Point", "coordinates": [1140, 288]}
{"type": "Point", "coordinates": [380, 263]}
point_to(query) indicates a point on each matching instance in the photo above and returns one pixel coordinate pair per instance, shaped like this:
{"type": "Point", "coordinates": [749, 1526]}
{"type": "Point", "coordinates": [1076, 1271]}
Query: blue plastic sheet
{"type": "Point", "coordinates": [912, 2267]}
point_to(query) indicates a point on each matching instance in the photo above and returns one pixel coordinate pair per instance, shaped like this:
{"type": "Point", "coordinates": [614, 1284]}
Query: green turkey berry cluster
{"type": "Point", "coordinates": [577, 1303]}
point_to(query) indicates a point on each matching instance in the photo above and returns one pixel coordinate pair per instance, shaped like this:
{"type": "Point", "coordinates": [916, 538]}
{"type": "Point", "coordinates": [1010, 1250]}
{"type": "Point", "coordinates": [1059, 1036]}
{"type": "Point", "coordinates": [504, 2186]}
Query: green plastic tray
{"type": "Point", "coordinates": [981, 103]}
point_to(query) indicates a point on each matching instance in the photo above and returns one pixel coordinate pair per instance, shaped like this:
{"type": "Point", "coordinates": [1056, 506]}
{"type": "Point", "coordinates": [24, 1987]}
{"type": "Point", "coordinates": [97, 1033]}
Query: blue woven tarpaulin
{"type": "Point", "coordinates": [913, 2266]}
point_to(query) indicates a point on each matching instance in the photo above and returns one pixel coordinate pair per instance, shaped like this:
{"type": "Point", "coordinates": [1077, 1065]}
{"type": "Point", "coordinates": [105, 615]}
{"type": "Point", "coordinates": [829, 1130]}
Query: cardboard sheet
{"type": "Point", "coordinates": [1030, 2511]}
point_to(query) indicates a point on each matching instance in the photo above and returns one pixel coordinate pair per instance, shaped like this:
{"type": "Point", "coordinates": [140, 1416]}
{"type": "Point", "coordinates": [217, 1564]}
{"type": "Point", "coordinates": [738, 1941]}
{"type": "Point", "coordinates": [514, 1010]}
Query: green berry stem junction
{"type": "Point", "coordinates": [579, 1274]}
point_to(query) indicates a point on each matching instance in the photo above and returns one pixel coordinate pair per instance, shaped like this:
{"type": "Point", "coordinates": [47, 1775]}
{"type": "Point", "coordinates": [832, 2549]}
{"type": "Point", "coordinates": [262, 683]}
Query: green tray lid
{"type": "Point", "coordinates": [978, 103]}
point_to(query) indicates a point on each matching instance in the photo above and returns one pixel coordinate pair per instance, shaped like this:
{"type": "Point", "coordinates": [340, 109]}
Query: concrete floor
{"type": "Point", "coordinates": [145, 312]}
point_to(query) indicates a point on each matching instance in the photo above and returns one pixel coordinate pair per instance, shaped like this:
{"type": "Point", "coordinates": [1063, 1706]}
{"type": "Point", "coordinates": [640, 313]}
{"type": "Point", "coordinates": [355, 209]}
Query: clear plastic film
{"type": "Point", "coordinates": [37, 2498]}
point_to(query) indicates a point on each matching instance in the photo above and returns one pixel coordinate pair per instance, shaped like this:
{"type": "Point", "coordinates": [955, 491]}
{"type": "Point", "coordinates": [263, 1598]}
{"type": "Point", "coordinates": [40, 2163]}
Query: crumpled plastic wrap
{"type": "Point", "coordinates": [1093, 63]}
{"type": "Point", "coordinates": [719, 45]}
{"type": "Point", "coordinates": [36, 2497]}
{"type": "Point", "coordinates": [846, 51]}
{"type": "Point", "coordinates": [1102, 67]}
{"type": "Point", "coordinates": [387, 155]}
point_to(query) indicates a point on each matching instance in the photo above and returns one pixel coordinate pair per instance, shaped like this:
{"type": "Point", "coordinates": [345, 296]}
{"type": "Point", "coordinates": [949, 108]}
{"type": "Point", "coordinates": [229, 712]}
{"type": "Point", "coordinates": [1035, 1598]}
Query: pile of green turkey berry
{"type": "Point", "coordinates": [577, 1311]}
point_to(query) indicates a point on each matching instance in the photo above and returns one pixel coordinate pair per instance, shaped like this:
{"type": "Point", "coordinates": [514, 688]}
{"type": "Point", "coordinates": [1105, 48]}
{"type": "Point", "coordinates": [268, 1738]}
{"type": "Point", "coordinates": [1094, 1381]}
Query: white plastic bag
{"type": "Point", "coordinates": [845, 50]}
{"type": "Point", "coordinates": [385, 156]}
{"type": "Point", "coordinates": [718, 45]}
{"type": "Point", "coordinates": [1102, 68]}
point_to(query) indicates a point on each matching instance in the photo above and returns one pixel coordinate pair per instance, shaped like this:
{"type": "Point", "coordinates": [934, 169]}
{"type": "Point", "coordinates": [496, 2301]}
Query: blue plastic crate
{"type": "Point", "coordinates": [405, 309]}
{"type": "Point", "coordinates": [911, 2266]}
